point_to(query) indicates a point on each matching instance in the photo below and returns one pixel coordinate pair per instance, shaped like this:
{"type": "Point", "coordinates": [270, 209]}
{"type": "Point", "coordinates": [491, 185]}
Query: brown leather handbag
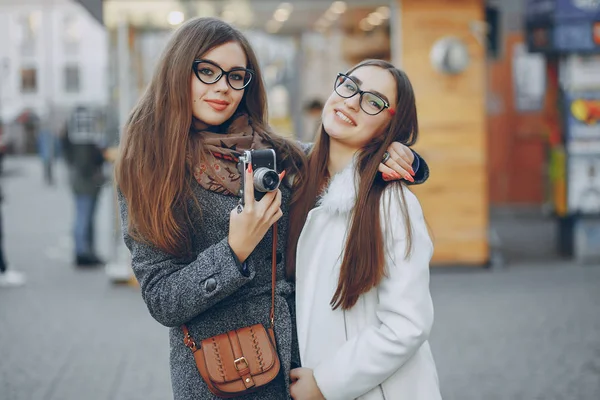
{"type": "Point", "coordinates": [243, 360]}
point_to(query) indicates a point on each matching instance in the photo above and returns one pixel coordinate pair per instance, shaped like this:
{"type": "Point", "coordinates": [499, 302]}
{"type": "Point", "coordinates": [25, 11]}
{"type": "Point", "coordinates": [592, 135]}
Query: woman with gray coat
{"type": "Point", "coordinates": [201, 259]}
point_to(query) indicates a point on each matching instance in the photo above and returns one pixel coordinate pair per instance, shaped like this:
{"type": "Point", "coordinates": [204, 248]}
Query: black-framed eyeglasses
{"type": "Point", "coordinates": [370, 102]}
{"type": "Point", "coordinates": [208, 72]}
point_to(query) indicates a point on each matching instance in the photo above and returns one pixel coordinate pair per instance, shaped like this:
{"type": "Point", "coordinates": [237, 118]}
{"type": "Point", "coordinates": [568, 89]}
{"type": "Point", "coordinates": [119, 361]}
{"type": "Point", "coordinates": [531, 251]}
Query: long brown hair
{"type": "Point", "coordinates": [151, 169]}
{"type": "Point", "coordinates": [363, 264]}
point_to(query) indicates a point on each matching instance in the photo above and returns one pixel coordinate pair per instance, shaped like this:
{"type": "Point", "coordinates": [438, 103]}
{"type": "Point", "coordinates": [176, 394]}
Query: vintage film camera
{"type": "Point", "coordinates": [266, 179]}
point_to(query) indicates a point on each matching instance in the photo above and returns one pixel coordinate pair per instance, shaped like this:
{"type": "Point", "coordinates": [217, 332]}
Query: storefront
{"type": "Point", "coordinates": [452, 121]}
{"type": "Point", "coordinates": [567, 32]}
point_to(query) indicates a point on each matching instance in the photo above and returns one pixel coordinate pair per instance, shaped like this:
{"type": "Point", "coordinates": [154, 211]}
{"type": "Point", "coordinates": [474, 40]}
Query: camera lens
{"type": "Point", "coordinates": [270, 182]}
{"type": "Point", "coordinates": [266, 180]}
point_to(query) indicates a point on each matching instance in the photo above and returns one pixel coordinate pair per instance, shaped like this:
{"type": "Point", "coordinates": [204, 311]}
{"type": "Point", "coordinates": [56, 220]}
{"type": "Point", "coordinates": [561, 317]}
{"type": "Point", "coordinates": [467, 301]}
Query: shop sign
{"type": "Point", "coordinates": [583, 122]}
{"type": "Point", "coordinates": [580, 72]}
{"type": "Point", "coordinates": [563, 26]}
{"type": "Point", "coordinates": [539, 10]}
{"type": "Point", "coordinates": [577, 9]}
{"type": "Point", "coordinates": [575, 36]}
{"type": "Point", "coordinates": [596, 33]}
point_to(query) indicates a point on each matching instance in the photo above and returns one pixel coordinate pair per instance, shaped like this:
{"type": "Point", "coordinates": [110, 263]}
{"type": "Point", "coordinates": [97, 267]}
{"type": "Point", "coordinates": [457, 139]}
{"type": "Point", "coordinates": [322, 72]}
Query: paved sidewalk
{"type": "Point", "coordinates": [526, 332]}
{"type": "Point", "coordinates": [69, 334]}
{"type": "Point", "coordinates": [530, 332]}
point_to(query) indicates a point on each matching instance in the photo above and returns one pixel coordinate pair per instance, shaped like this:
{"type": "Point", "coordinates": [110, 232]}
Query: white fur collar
{"type": "Point", "coordinates": [340, 195]}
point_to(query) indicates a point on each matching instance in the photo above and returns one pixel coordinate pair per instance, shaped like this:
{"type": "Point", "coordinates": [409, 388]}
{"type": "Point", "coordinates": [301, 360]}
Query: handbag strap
{"type": "Point", "coordinates": [187, 339]}
{"type": "Point", "coordinates": [273, 275]}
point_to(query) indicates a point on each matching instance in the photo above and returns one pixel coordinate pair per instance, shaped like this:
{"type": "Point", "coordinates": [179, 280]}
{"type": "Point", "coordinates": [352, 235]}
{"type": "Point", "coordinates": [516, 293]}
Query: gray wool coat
{"type": "Point", "coordinates": [210, 295]}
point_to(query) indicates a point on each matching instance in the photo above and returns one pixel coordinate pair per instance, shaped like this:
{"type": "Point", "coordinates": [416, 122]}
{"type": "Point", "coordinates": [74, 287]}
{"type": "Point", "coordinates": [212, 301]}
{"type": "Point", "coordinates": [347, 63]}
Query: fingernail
{"type": "Point", "coordinates": [385, 177]}
{"type": "Point", "coordinates": [409, 178]}
{"type": "Point", "coordinates": [412, 172]}
{"type": "Point", "coordinates": [250, 168]}
{"type": "Point", "coordinates": [282, 175]}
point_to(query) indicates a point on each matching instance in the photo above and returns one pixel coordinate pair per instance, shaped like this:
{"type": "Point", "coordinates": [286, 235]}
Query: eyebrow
{"type": "Point", "coordinates": [383, 96]}
{"type": "Point", "coordinates": [216, 63]}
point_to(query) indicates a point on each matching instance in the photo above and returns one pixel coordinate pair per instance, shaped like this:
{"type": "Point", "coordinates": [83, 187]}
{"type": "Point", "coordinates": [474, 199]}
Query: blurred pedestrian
{"type": "Point", "coordinates": [203, 261]}
{"type": "Point", "coordinates": [8, 277]}
{"type": "Point", "coordinates": [45, 143]}
{"type": "Point", "coordinates": [83, 151]}
{"type": "Point", "coordinates": [362, 263]}
{"type": "Point", "coordinates": [3, 145]}
{"type": "Point", "coordinates": [312, 120]}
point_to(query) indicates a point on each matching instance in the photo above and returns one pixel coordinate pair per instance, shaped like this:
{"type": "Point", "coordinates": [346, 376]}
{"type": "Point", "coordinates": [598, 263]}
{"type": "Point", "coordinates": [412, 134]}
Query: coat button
{"type": "Point", "coordinates": [210, 285]}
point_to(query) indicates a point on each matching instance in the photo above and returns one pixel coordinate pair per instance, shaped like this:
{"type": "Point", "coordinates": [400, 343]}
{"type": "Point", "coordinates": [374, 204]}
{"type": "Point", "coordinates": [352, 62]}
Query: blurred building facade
{"type": "Point", "coordinates": [566, 35]}
{"type": "Point", "coordinates": [53, 56]}
{"type": "Point", "coordinates": [517, 124]}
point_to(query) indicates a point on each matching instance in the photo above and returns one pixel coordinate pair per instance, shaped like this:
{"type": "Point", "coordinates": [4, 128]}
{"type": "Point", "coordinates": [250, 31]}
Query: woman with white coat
{"type": "Point", "coordinates": [364, 310]}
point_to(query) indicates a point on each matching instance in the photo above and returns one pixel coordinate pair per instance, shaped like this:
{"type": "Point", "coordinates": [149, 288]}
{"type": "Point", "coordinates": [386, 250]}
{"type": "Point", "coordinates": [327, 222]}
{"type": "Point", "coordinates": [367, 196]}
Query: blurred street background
{"type": "Point", "coordinates": [508, 94]}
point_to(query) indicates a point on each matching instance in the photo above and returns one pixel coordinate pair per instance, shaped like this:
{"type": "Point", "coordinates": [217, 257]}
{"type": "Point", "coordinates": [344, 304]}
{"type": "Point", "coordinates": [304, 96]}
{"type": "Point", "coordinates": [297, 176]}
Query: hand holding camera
{"type": "Point", "coordinates": [260, 203]}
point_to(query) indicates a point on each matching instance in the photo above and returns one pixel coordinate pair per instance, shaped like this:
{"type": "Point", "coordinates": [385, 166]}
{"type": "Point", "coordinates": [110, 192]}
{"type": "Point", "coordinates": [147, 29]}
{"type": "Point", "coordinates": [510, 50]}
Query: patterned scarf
{"type": "Point", "coordinates": [217, 170]}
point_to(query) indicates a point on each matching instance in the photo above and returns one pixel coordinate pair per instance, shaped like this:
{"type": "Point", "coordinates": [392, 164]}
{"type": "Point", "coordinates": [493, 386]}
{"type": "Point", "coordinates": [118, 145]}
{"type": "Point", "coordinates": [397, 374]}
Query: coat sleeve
{"type": "Point", "coordinates": [421, 170]}
{"type": "Point", "coordinates": [176, 290]}
{"type": "Point", "coordinates": [404, 312]}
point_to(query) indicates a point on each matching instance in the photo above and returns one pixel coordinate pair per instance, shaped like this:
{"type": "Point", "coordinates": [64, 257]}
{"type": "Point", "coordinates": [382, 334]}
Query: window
{"type": "Point", "coordinates": [72, 79]}
{"type": "Point", "coordinates": [86, 125]}
{"type": "Point", "coordinates": [71, 34]}
{"type": "Point", "coordinates": [29, 25]}
{"type": "Point", "coordinates": [28, 80]}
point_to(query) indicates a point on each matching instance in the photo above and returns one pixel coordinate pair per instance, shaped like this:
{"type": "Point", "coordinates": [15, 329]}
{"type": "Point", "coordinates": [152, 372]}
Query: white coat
{"type": "Point", "coordinates": [378, 349]}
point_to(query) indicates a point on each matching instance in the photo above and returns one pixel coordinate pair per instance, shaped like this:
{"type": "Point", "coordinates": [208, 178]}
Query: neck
{"type": "Point", "coordinates": [340, 155]}
{"type": "Point", "coordinates": [198, 125]}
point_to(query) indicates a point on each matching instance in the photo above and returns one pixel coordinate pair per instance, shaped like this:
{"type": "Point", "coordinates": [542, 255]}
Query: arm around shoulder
{"type": "Point", "coordinates": [177, 290]}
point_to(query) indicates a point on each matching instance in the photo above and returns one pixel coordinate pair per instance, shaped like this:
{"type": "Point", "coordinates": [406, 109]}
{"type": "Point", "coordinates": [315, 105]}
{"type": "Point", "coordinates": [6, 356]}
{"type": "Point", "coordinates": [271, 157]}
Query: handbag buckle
{"type": "Point", "coordinates": [240, 360]}
{"type": "Point", "coordinates": [189, 342]}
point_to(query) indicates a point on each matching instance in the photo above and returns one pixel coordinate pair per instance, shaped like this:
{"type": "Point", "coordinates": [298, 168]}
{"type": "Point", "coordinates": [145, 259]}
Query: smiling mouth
{"type": "Point", "coordinates": [345, 118]}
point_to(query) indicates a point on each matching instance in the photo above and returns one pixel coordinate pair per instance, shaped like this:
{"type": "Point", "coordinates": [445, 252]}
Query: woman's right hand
{"type": "Point", "coordinates": [248, 227]}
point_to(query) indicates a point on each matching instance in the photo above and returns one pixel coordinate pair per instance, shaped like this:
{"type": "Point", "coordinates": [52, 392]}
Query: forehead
{"type": "Point", "coordinates": [227, 56]}
{"type": "Point", "coordinates": [376, 79]}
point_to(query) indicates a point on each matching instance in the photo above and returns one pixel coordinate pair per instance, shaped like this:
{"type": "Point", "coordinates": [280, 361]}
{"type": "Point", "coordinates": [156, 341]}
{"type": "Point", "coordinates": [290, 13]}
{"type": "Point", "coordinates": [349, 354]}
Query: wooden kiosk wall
{"type": "Point", "coordinates": [452, 118]}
